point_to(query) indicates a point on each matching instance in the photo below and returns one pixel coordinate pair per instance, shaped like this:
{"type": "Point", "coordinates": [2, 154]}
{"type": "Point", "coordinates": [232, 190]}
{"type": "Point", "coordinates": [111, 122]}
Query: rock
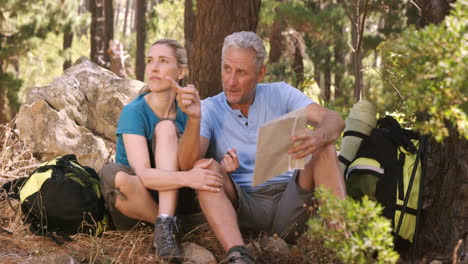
{"type": "Point", "coordinates": [53, 259]}
{"type": "Point", "coordinates": [76, 114]}
{"type": "Point", "coordinates": [196, 254]}
{"type": "Point", "coordinates": [271, 244]}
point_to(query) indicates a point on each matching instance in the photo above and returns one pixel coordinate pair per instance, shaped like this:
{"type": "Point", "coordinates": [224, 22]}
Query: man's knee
{"type": "Point", "coordinates": [165, 128]}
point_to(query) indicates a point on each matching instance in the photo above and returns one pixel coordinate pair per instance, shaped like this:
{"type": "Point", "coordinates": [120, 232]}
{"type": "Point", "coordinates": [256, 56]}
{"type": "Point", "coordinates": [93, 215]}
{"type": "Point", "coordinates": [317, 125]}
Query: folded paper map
{"type": "Point", "coordinates": [274, 140]}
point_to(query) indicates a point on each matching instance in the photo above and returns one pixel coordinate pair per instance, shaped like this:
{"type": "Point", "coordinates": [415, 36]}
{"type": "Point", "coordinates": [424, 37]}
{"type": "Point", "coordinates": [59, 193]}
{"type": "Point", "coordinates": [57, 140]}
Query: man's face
{"type": "Point", "coordinates": [239, 75]}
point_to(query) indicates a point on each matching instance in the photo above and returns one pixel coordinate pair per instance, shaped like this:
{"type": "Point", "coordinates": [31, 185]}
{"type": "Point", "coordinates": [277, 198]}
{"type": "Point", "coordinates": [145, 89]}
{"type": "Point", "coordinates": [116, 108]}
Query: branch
{"type": "Point", "coordinates": [391, 83]}
{"type": "Point", "coordinates": [361, 26]}
{"type": "Point", "coordinates": [416, 5]}
{"type": "Point", "coordinates": [348, 14]}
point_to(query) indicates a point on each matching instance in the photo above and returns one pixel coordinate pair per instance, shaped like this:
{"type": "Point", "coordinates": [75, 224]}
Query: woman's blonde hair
{"type": "Point", "coordinates": [180, 55]}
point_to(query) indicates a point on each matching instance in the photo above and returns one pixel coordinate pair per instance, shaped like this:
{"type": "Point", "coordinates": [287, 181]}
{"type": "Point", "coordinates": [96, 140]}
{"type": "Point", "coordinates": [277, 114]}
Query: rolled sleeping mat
{"type": "Point", "coordinates": [359, 124]}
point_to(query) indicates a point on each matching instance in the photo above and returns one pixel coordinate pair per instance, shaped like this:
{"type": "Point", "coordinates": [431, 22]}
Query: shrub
{"type": "Point", "coordinates": [357, 232]}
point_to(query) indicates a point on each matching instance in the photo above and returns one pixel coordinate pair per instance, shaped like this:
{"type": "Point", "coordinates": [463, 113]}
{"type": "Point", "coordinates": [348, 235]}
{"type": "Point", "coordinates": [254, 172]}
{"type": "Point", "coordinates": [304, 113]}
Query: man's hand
{"type": "Point", "coordinates": [201, 178]}
{"type": "Point", "coordinates": [307, 143]}
{"type": "Point", "coordinates": [187, 98]}
{"type": "Point", "coordinates": [230, 161]}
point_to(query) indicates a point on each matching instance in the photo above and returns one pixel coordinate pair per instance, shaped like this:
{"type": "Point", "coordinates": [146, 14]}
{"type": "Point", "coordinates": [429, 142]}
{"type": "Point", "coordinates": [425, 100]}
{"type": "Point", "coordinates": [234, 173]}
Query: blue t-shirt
{"type": "Point", "coordinates": [137, 118]}
{"type": "Point", "coordinates": [227, 128]}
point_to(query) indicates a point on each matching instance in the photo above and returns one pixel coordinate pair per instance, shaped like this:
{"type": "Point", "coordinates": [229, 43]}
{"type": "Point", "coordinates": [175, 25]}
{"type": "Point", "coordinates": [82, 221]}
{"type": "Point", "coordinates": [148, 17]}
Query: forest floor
{"type": "Point", "coordinates": [19, 245]}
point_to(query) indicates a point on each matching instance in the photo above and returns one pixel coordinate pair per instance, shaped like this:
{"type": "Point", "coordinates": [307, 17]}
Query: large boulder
{"type": "Point", "coordinates": [77, 113]}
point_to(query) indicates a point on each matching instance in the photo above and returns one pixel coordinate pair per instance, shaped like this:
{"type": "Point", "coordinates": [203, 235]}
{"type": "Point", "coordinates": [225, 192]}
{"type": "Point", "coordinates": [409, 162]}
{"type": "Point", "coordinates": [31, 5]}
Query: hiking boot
{"type": "Point", "coordinates": [165, 242]}
{"type": "Point", "coordinates": [238, 255]}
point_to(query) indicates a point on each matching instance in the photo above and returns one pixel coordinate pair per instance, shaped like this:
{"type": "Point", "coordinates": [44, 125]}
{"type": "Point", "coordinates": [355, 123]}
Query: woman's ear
{"type": "Point", "coordinates": [182, 73]}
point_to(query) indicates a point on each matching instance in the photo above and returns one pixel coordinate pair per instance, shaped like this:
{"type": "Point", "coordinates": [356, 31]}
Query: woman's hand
{"type": "Point", "coordinates": [187, 98]}
{"type": "Point", "coordinates": [230, 161]}
{"type": "Point", "coordinates": [201, 178]}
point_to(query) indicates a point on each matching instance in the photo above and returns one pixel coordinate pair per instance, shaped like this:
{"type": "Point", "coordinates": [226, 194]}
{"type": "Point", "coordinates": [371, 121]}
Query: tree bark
{"type": "Point", "coordinates": [109, 28]}
{"type": "Point", "coordinates": [67, 43]}
{"type": "Point", "coordinates": [102, 31]}
{"type": "Point", "coordinates": [327, 78]}
{"type": "Point", "coordinates": [297, 64]}
{"type": "Point", "coordinates": [276, 42]}
{"type": "Point", "coordinates": [189, 26]}
{"type": "Point", "coordinates": [140, 39]}
{"type": "Point", "coordinates": [445, 206]}
{"type": "Point", "coordinates": [127, 7]}
{"type": "Point", "coordinates": [433, 11]}
{"type": "Point", "coordinates": [339, 66]}
{"type": "Point", "coordinates": [215, 20]}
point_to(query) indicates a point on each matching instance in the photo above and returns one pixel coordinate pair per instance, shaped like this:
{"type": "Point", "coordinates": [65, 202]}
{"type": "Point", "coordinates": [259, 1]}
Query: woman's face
{"type": "Point", "coordinates": [161, 63]}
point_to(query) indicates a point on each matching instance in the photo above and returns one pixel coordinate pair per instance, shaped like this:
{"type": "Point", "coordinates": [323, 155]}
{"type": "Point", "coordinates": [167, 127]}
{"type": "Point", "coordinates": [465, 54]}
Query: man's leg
{"type": "Point", "coordinates": [323, 170]}
{"type": "Point", "coordinates": [293, 209]}
{"type": "Point", "coordinates": [218, 208]}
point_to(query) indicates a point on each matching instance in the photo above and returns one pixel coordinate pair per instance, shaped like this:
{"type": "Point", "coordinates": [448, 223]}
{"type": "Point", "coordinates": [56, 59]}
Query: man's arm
{"type": "Point", "coordinates": [192, 146]}
{"type": "Point", "coordinates": [328, 127]}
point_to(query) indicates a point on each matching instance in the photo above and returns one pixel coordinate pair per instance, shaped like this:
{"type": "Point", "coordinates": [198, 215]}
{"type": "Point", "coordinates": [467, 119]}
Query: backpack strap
{"type": "Point", "coordinates": [355, 134]}
{"type": "Point", "coordinates": [6, 231]}
{"type": "Point", "coordinates": [405, 208]}
{"type": "Point", "coordinates": [423, 147]}
{"type": "Point", "coordinates": [12, 188]}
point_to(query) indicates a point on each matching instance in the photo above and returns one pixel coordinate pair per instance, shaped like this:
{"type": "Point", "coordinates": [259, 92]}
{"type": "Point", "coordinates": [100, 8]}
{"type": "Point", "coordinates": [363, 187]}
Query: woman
{"type": "Point", "coordinates": [144, 182]}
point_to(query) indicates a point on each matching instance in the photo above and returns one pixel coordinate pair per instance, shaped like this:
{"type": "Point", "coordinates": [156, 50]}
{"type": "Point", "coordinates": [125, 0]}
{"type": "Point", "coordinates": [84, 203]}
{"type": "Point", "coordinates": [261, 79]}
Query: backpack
{"type": "Point", "coordinates": [61, 196]}
{"type": "Point", "coordinates": [388, 168]}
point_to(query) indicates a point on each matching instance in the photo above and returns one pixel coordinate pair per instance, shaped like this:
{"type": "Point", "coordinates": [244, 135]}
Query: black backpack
{"type": "Point", "coordinates": [388, 168]}
{"type": "Point", "coordinates": [61, 197]}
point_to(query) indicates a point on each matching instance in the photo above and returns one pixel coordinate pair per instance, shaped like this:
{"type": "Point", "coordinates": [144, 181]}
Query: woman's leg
{"type": "Point", "coordinates": [133, 199]}
{"type": "Point", "coordinates": [165, 155]}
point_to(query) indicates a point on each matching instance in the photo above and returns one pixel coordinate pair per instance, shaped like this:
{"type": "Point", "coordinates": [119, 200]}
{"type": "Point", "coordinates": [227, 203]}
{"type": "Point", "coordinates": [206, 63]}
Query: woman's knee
{"type": "Point", "coordinates": [165, 128]}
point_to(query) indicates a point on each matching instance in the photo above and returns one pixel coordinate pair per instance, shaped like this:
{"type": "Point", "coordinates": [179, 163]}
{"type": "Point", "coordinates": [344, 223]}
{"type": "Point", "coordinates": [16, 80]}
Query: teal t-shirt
{"type": "Point", "coordinates": [137, 118]}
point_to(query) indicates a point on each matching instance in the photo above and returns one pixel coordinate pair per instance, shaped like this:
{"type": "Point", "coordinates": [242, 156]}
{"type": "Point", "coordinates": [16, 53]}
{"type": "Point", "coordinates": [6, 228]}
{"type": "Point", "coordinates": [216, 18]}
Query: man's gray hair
{"type": "Point", "coordinates": [246, 40]}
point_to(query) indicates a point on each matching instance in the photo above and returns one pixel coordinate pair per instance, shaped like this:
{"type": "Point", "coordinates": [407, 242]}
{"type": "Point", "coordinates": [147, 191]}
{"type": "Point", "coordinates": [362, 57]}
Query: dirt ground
{"type": "Point", "coordinates": [135, 246]}
{"type": "Point", "coordinates": [19, 245]}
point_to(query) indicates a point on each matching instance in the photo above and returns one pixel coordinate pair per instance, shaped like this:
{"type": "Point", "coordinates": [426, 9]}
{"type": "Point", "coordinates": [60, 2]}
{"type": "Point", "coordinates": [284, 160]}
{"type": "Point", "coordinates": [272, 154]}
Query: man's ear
{"type": "Point", "coordinates": [182, 73]}
{"type": "Point", "coordinates": [261, 73]}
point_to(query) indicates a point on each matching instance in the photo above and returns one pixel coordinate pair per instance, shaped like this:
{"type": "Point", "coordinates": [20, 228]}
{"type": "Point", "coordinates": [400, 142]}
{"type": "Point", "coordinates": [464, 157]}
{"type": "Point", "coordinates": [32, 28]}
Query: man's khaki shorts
{"type": "Point", "coordinates": [279, 208]}
{"type": "Point", "coordinates": [187, 210]}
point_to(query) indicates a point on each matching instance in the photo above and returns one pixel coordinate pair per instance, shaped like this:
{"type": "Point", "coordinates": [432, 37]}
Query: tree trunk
{"type": "Point", "coordinates": [215, 20]}
{"type": "Point", "coordinates": [276, 42]}
{"type": "Point", "coordinates": [189, 26]}
{"type": "Point", "coordinates": [127, 7]}
{"type": "Point", "coordinates": [317, 74]}
{"type": "Point", "coordinates": [339, 69]}
{"type": "Point", "coordinates": [327, 78]}
{"type": "Point", "coordinates": [102, 31]}
{"type": "Point", "coordinates": [109, 28]}
{"type": "Point", "coordinates": [297, 64]}
{"type": "Point", "coordinates": [132, 15]}
{"type": "Point", "coordinates": [67, 43]}
{"type": "Point", "coordinates": [140, 39]}
{"type": "Point", "coordinates": [433, 11]}
{"type": "Point", "coordinates": [445, 207]}
{"type": "Point", "coordinates": [356, 59]}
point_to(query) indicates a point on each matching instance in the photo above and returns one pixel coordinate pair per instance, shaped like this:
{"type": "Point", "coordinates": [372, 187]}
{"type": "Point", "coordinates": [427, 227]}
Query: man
{"type": "Point", "coordinates": [227, 132]}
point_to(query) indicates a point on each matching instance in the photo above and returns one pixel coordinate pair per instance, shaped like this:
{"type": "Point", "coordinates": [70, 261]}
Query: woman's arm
{"type": "Point", "coordinates": [163, 180]}
{"type": "Point", "coordinates": [139, 159]}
